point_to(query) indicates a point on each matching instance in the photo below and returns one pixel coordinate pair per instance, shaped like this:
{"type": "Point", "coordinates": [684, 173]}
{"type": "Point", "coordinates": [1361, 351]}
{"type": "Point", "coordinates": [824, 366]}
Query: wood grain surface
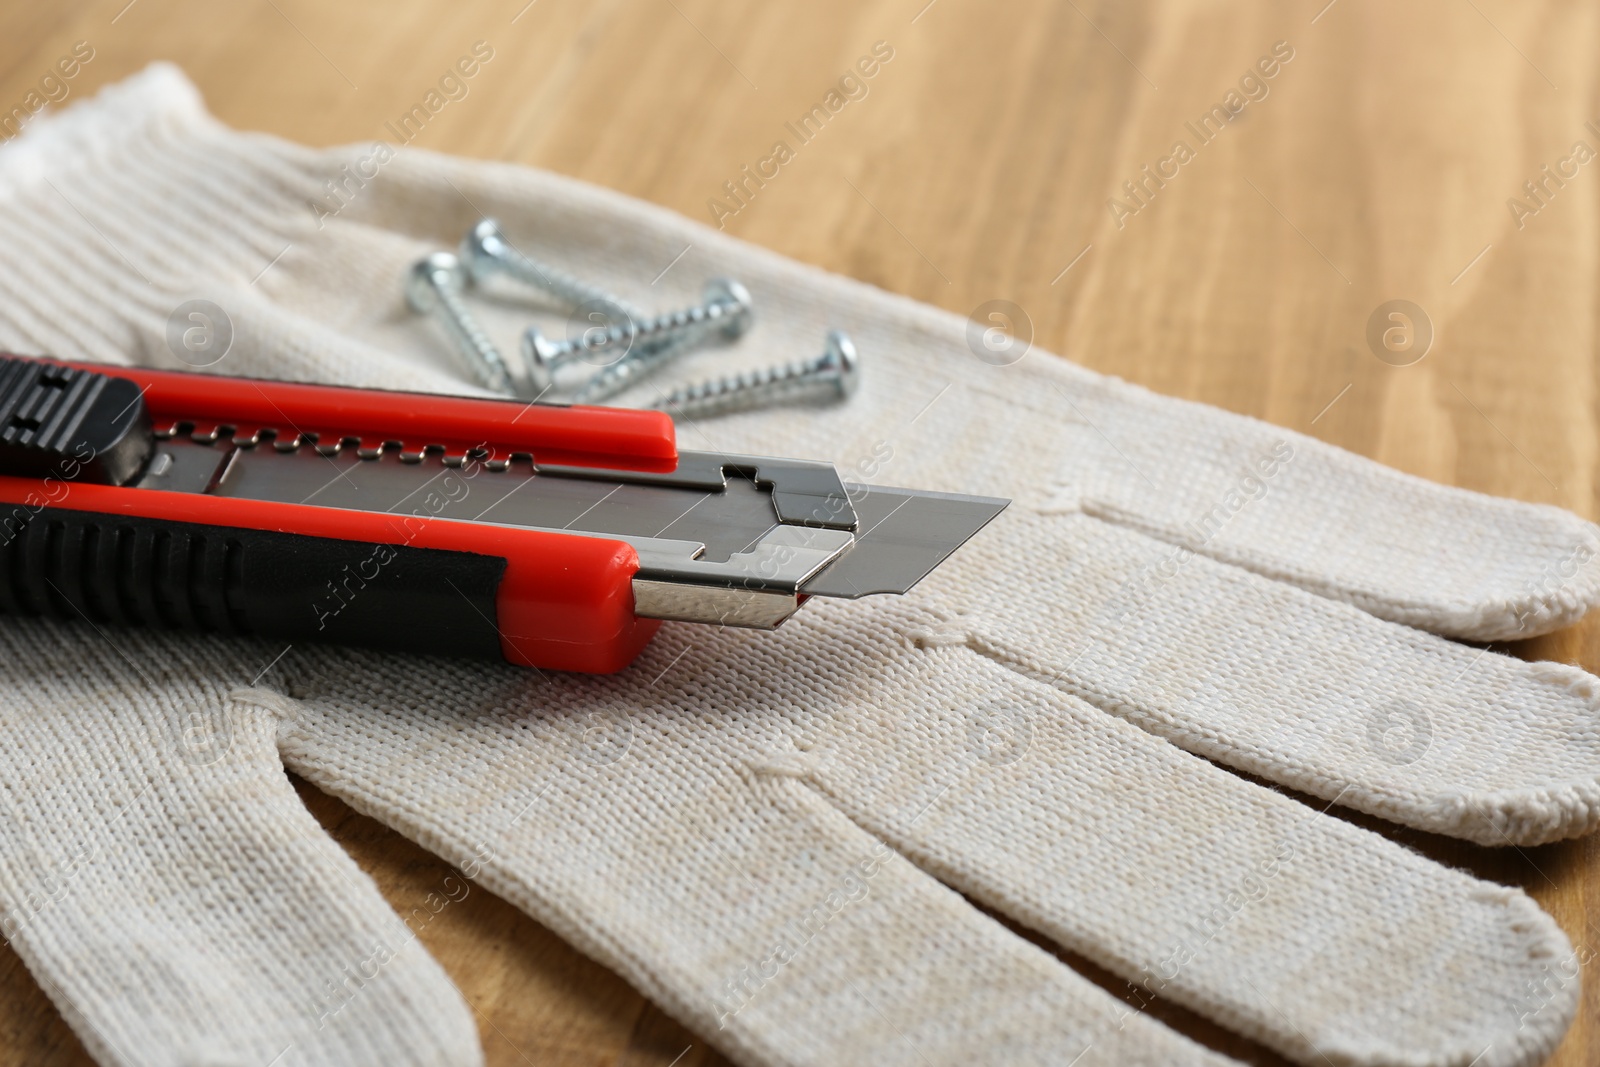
{"type": "Point", "coordinates": [1375, 164]}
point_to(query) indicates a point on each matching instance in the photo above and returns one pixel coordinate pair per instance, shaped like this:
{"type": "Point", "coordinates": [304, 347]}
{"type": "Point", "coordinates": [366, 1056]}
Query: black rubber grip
{"type": "Point", "coordinates": [71, 424]}
{"type": "Point", "coordinates": [117, 570]}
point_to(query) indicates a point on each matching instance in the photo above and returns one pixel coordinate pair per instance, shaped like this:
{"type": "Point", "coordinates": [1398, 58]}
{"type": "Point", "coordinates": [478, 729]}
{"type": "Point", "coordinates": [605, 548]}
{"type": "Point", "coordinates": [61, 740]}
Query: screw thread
{"type": "Point", "coordinates": [752, 388]}
{"type": "Point", "coordinates": [686, 325]}
{"type": "Point", "coordinates": [471, 340]}
{"type": "Point", "coordinates": [561, 285]}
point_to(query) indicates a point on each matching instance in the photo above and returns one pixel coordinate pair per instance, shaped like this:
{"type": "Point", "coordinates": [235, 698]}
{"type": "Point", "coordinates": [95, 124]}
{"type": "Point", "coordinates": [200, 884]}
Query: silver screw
{"type": "Point", "coordinates": [834, 375]}
{"type": "Point", "coordinates": [486, 252]}
{"type": "Point", "coordinates": [725, 309]}
{"type": "Point", "coordinates": [434, 288]}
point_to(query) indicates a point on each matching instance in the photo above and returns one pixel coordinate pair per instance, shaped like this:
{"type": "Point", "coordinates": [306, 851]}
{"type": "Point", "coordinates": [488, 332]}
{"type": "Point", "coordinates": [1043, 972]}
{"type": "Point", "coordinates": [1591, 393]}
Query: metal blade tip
{"type": "Point", "coordinates": [901, 536]}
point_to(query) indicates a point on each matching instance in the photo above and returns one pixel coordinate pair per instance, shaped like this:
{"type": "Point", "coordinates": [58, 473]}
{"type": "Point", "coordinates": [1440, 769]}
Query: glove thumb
{"type": "Point", "coordinates": [163, 882]}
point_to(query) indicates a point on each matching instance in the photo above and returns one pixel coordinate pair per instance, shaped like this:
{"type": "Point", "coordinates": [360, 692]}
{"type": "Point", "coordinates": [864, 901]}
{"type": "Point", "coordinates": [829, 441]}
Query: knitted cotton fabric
{"type": "Point", "coordinates": [771, 834]}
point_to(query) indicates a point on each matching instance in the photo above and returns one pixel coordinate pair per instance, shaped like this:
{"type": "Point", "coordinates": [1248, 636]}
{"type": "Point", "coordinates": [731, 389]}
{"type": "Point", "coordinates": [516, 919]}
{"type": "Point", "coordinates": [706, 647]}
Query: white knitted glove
{"type": "Point", "coordinates": [769, 834]}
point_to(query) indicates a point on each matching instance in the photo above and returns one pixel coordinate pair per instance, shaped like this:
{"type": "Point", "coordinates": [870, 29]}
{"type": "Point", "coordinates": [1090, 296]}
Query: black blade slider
{"type": "Point", "coordinates": [71, 424]}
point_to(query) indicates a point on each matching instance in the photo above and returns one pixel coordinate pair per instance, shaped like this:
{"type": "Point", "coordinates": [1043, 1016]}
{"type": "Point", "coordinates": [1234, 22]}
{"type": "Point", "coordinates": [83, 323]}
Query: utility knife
{"type": "Point", "coordinates": [549, 536]}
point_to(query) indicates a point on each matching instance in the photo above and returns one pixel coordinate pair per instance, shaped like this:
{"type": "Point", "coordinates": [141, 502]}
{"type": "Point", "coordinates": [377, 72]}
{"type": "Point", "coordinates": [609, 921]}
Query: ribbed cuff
{"type": "Point", "coordinates": [96, 132]}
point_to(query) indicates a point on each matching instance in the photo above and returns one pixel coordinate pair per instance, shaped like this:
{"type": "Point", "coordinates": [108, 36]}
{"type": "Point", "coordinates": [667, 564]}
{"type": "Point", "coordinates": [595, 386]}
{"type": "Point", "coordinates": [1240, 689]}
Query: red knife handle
{"type": "Point", "coordinates": [76, 541]}
{"type": "Point", "coordinates": [295, 572]}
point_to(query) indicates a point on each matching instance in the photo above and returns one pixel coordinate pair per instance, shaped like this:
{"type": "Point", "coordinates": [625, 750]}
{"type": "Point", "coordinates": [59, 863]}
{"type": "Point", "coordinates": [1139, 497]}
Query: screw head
{"type": "Point", "coordinates": [481, 249]}
{"type": "Point", "coordinates": [428, 276]}
{"type": "Point", "coordinates": [728, 291]}
{"type": "Point", "coordinates": [841, 361]}
{"type": "Point", "coordinates": [538, 355]}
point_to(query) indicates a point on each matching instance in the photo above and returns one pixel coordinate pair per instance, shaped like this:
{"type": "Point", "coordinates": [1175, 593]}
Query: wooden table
{"type": "Point", "coordinates": [988, 162]}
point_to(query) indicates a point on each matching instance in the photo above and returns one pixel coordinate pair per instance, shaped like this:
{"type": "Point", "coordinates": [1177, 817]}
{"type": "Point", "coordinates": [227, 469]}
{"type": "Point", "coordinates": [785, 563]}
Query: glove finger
{"type": "Point", "coordinates": [162, 881]}
{"type": "Point", "coordinates": [1296, 688]}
